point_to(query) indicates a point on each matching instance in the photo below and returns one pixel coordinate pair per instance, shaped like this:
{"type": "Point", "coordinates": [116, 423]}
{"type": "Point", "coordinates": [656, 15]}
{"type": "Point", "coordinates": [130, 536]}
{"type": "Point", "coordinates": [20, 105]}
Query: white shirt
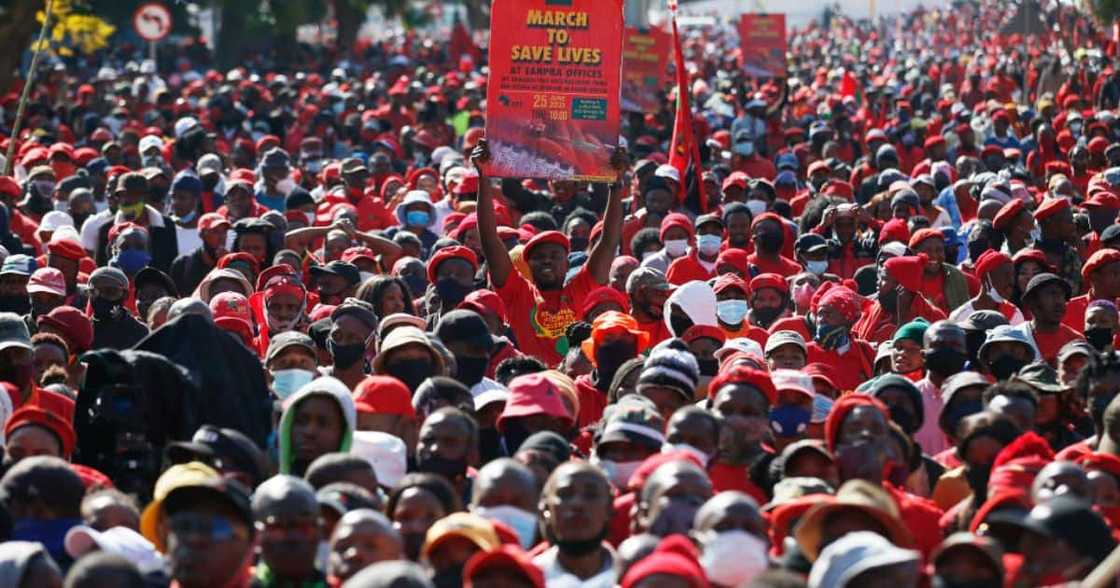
{"type": "Point", "coordinates": [188, 239]}
{"type": "Point", "coordinates": [555, 576]}
{"type": "Point", "coordinates": [963, 311]}
{"type": "Point", "coordinates": [92, 228]}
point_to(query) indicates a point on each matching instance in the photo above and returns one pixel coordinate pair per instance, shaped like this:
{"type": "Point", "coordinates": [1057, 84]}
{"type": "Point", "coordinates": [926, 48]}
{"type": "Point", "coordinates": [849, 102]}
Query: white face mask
{"type": "Point", "coordinates": [816, 267]}
{"type": "Point", "coordinates": [285, 186]}
{"type": "Point", "coordinates": [700, 455]}
{"type": "Point", "coordinates": [676, 247]}
{"type": "Point", "coordinates": [523, 522]}
{"type": "Point", "coordinates": [310, 218]}
{"type": "Point", "coordinates": [1036, 234]}
{"type": "Point", "coordinates": [709, 244]}
{"type": "Point", "coordinates": [732, 558]}
{"type": "Point", "coordinates": [756, 207]}
{"type": "Point", "coordinates": [618, 472]}
{"type": "Point", "coordinates": [994, 294]}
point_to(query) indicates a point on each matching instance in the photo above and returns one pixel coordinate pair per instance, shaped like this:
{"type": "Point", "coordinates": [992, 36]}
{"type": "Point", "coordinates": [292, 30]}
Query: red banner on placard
{"type": "Point", "coordinates": [552, 100]}
{"type": "Point", "coordinates": [644, 75]}
{"type": "Point", "coordinates": [762, 38]}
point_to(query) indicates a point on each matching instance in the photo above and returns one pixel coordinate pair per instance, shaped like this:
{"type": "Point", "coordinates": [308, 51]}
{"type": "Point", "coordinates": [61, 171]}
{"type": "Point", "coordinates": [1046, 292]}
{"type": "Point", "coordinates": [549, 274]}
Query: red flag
{"type": "Point", "coordinates": [684, 149]}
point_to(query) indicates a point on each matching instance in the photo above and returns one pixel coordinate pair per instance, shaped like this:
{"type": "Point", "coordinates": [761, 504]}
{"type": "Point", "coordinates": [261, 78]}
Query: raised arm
{"type": "Point", "coordinates": [497, 258]}
{"type": "Point", "coordinates": [386, 248]}
{"type": "Point", "coordinates": [603, 253]}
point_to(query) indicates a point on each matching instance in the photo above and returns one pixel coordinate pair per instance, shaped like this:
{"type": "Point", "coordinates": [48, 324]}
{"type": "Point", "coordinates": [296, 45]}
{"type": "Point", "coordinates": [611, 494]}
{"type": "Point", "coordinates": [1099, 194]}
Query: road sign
{"type": "Point", "coordinates": [152, 21]}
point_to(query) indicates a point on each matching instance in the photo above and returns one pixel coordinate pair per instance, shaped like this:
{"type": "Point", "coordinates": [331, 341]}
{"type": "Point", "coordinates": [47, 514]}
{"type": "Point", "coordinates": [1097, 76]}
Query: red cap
{"type": "Point", "coordinates": [383, 395]}
{"type": "Point", "coordinates": [1050, 207]}
{"type": "Point", "coordinates": [704, 332]}
{"type": "Point", "coordinates": [1035, 255]}
{"type": "Point", "coordinates": [739, 179]}
{"type": "Point", "coordinates": [675, 556]}
{"type": "Point", "coordinates": [533, 394]}
{"type": "Point", "coordinates": [894, 230]}
{"type": "Point", "coordinates": [1008, 213]}
{"type": "Point", "coordinates": [353, 254]}
{"type": "Point", "coordinates": [506, 557]}
{"type": "Point", "coordinates": [36, 415]}
{"type": "Point", "coordinates": [736, 258]}
{"type": "Point", "coordinates": [454, 252]}
{"type": "Point", "coordinates": [817, 166]}
{"type": "Point", "coordinates": [74, 325]}
{"type": "Point", "coordinates": [742, 374]}
{"type": "Point", "coordinates": [212, 220]}
{"type": "Point", "coordinates": [601, 295]}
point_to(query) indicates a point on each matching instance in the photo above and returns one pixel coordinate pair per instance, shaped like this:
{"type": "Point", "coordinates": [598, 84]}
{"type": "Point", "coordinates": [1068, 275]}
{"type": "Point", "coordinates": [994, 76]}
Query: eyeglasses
{"type": "Point", "coordinates": [212, 527]}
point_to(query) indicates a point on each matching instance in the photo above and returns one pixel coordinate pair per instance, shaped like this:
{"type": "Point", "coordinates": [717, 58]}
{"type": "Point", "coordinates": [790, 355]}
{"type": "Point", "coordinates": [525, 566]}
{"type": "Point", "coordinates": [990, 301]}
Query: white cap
{"type": "Point", "coordinates": [121, 541]}
{"type": "Point", "coordinates": [385, 452]}
{"type": "Point", "coordinates": [668, 171]}
{"type": "Point", "coordinates": [149, 141]}
{"type": "Point", "coordinates": [853, 554]}
{"type": "Point", "coordinates": [739, 344]}
{"type": "Point", "coordinates": [209, 163]}
{"type": "Point", "coordinates": [488, 391]}
{"type": "Point", "coordinates": [793, 380]}
{"type": "Point", "coordinates": [55, 219]}
{"type": "Point", "coordinates": [67, 232]}
{"type": "Point", "coordinates": [184, 124]}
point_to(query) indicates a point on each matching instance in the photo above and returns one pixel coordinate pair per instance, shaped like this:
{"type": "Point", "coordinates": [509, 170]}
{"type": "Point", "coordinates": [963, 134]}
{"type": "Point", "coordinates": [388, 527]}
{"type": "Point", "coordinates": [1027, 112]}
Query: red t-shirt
{"type": "Point", "coordinates": [657, 330]}
{"type": "Point", "coordinates": [688, 268]}
{"type": "Point", "coordinates": [729, 477]}
{"type": "Point", "coordinates": [784, 267]}
{"type": "Point", "coordinates": [1050, 343]}
{"type": "Point", "coordinates": [592, 402]}
{"type": "Point", "coordinates": [851, 368]}
{"type": "Point", "coordinates": [540, 318]}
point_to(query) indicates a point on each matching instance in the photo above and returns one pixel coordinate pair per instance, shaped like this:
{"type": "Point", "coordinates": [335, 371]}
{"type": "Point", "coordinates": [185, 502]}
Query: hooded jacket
{"type": "Point", "coordinates": [697, 300]}
{"type": "Point", "coordinates": [324, 386]}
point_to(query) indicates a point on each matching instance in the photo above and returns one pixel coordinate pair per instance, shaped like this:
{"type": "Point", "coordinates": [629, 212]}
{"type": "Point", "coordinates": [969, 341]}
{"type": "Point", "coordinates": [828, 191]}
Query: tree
{"type": "Point", "coordinates": [1107, 11]}
{"type": "Point", "coordinates": [74, 29]}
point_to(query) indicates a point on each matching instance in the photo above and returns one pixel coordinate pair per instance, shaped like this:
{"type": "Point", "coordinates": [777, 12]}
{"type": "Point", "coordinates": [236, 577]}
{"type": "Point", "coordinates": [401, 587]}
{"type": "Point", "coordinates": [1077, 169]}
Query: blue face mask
{"type": "Point", "coordinates": [131, 261]}
{"type": "Point", "coordinates": [417, 218]}
{"type": "Point", "coordinates": [789, 420]}
{"type": "Point", "coordinates": [286, 382]}
{"type": "Point", "coordinates": [831, 337]}
{"type": "Point", "coordinates": [709, 244]}
{"type": "Point", "coordinates": [731, 312]}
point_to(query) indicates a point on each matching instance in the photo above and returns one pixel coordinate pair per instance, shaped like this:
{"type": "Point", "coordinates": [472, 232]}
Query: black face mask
{"type": "Point", "coordinates": [412, 372]}
{"type": "Point", "coordinates": [608, 357]}
{"type": "Point", "coordinates": [470, 370]}
{"type": "Point", "coordinates": [1005, 366]}
{"type": "Point", "coordinates": [709, 366]}
{"type": "Point", "coordinates": [104, 309]}
{"type": "Point", "coordinates": [1099, 337]}
{"type": "Point", "coordinates": [889, 300]}
{"type": "Point", "coordinates": [451, 577]}
{"type": "Point", "coordinates": [679, 323]}
{"type": "Point", "coordinates": [451, 469]}
{"type": "Point", "coordinates": [345, 356]}
{"type": "Point", "coordinates": [19, 375]}
{"type": "Point", "coordinates": [945, 361]}
{"type": "Point", "coordinates": [977, 478]}
{"type": "Point", "coordinates": [765, 316]}
{"type": "Point", "coordinates": [15, 303]}
{"type": "Point", "coordinates": [579, 243]}
{"type": "Point", "coordinates": [768, 242]}
{"type": "Point", "coordinates": [904, 419]}
{"type": "Point", "coordinates": [451, 292]}
{"type": "Point", "coordinates": [514, 434]}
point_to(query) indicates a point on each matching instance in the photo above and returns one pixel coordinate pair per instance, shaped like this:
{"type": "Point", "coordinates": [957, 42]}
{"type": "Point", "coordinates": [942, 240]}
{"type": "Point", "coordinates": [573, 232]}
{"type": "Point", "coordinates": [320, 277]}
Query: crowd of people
{"type": "Point", "coordinates": [277, 326]}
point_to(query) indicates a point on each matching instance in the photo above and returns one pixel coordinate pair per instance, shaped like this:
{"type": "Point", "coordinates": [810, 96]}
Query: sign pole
{"type": "Point", "coordinates": [30, 81]}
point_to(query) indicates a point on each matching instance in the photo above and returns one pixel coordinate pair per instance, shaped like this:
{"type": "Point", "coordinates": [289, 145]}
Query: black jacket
{"type": "Point", "coordinates": [119, 332]}
{"type": "Point", "coordinates": [163, 244]}
{"type": "Point", "coordinates": [187, 271]}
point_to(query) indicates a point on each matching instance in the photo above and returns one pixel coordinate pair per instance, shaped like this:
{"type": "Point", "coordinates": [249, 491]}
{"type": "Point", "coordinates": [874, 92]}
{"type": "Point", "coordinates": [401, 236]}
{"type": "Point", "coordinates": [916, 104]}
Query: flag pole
{"type": "Point", "coordinates": [25, 94]}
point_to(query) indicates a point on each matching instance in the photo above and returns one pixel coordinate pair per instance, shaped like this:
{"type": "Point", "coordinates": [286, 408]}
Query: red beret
{"type": "Point", "coordinates": [1008, 213]}
{"type": "Point", "coordinates": [1001, 115]}
{"type": "Point", "coordinates": [769, 281]}
{"type": "Point", "coordinates": [1104, 462]}
{"type": "Point", "coordinates": [676, 557]}
{"type": "Point", "coordinates": [894, 230]}
{"type": "Point", "coordinates": [1050, 207]}
{"type": "Point", "coordinates": [924, 235]}
{"type": "Point", "coordinates": [485, 302]}
{"type": "Point", "coordinates": [990, 260]}
{"type": "Point", "coordinates": [737, 178]}
{"type": "Point", "coordinates": [741, 374]}
{"type": "Point", "coordinates": [726, 281]}
{"type": "Point", "coordinates": [991, 150]}
{"type": "Point", "coordinates": [66, 248]}
{"type": "Point", "coordinates": [676, 219]}
{"type": "Point", "coordinates": [934, 141]}
{"type": "Point", "coordinates": [838, 188]}
{"type": "Point", "coordinates": [907, 270]}
{"type": "Point", "coordinates": [1098, 145]}
{"type": "Point", "coordinates": [554, 237]}
{"type": "Point", "coordinates": [1057, 167]}
{"type": "Point", "coordinates": [36, 415]}
{"type": "Point", "coordinates": [817, 166]}
{"type": "Point", "coordinates": [842, 407]}
{"type": "Point", "coordinates": [1098, 260]}
{"type": "Point", "coordinates": [454, 252]}
{"type": "Point", "coordinates": [1035, 255]}
{"type": "Point", "coordinates": [1103, 199]}
{"type": "Point", "coordinates": [736, 258]}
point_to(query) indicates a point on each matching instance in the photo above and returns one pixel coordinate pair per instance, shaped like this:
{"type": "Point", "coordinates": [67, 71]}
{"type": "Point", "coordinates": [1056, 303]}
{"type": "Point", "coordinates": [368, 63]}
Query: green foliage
{"type": "Point", "coordinates": [1107, 11]}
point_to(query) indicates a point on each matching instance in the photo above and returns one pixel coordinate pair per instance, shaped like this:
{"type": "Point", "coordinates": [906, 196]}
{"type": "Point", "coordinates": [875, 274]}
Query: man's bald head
{"type": "Point", "coordinates": [570, 469]}
{"type": "Point", "coordinates": [730, 505]}
{"type": "Point", "coordinates": [101, 569]}
{"type": "Point", "coordinates": [669, 474]}
{"type": "Point", "coordinates": [284, 495]}
{"type": "Point", "coordinates": [504, 481]}
{"type": "Point", "coordinates": [374, 521]}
